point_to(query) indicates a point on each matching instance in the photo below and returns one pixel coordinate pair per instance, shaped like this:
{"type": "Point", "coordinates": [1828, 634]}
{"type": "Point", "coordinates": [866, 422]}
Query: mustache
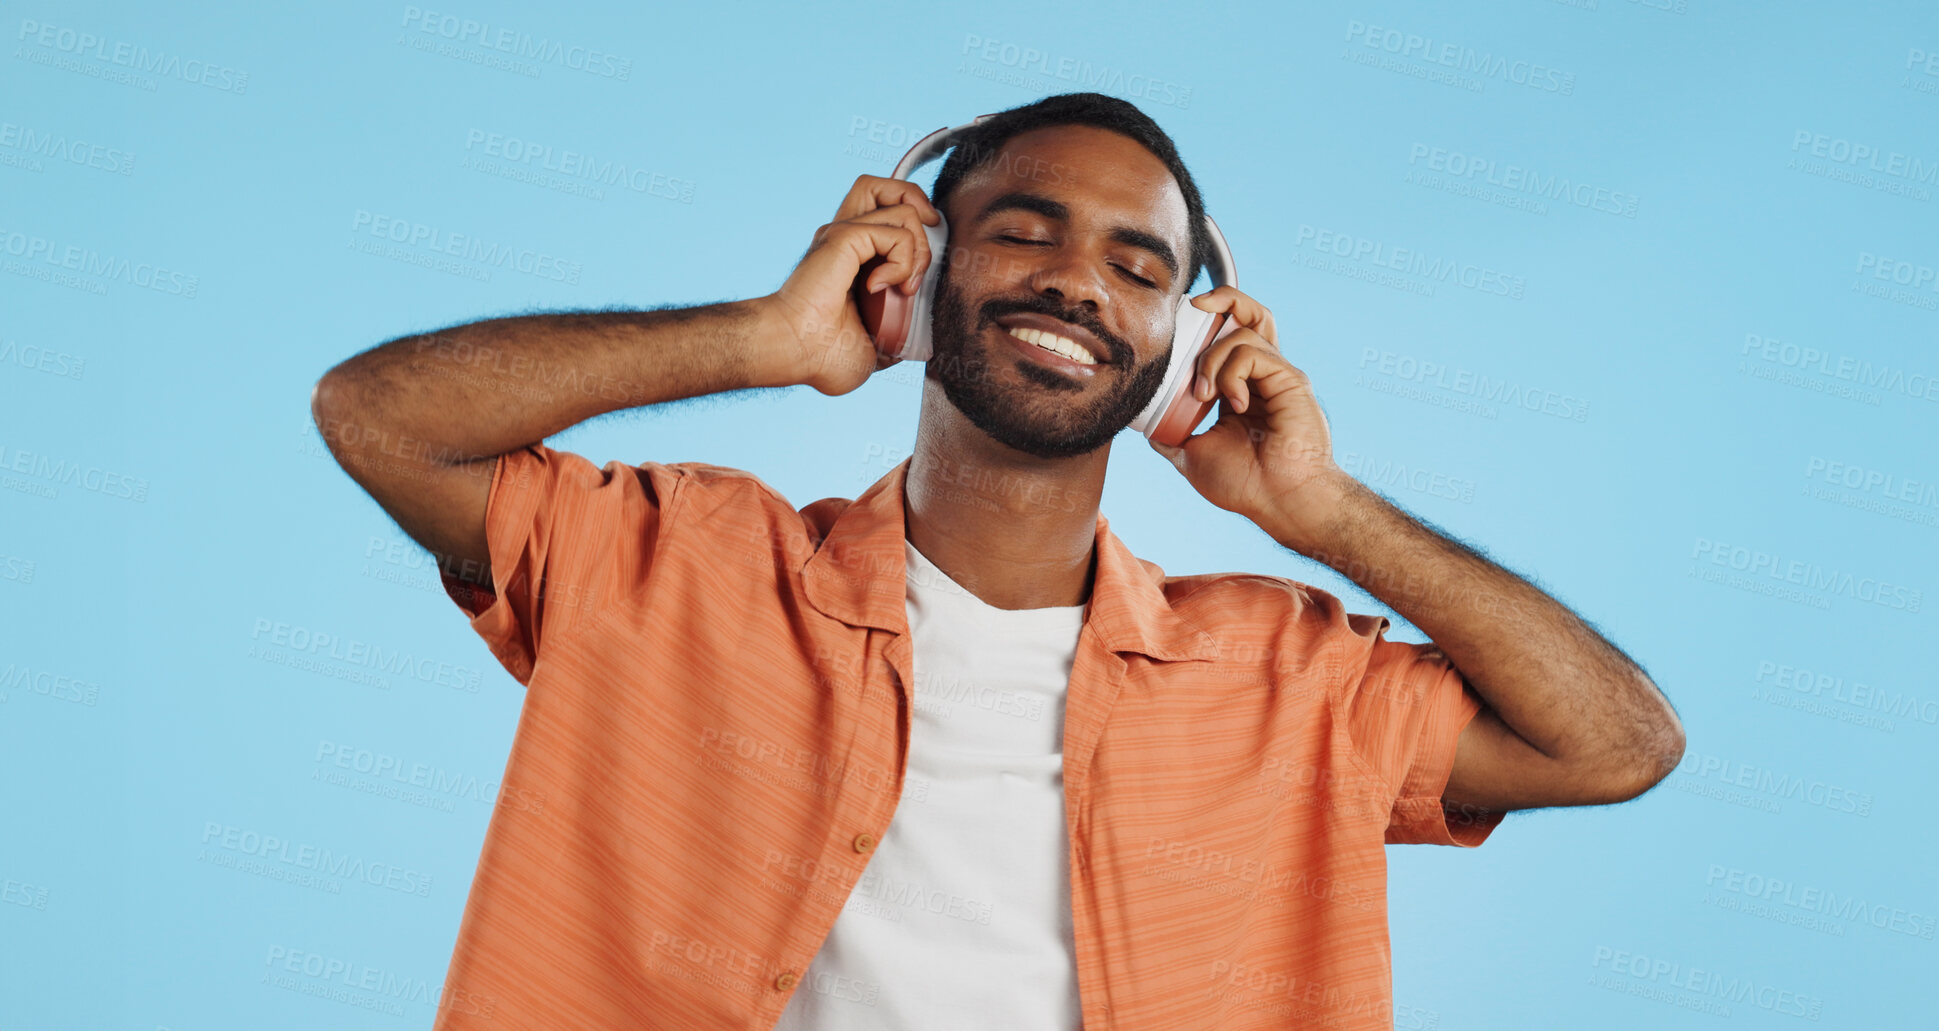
{"type": "Point", "coordinates": [996, 309]}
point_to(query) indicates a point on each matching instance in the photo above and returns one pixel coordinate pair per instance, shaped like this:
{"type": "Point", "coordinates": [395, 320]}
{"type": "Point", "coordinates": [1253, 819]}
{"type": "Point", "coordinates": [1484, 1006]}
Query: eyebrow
{"type": "Point", "coordinates": [1130, 236]}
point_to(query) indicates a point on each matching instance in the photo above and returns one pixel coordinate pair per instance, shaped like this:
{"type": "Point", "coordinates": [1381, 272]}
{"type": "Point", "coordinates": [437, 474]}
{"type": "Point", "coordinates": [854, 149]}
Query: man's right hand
{"type": "Point", "coordinates": [820, 331]}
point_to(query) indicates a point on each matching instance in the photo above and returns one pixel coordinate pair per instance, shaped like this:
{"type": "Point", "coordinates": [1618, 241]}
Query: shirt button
{"type": "Point", "coordinates": [864, 842]}
{"type": "Point", "coordinates": [786, 981]}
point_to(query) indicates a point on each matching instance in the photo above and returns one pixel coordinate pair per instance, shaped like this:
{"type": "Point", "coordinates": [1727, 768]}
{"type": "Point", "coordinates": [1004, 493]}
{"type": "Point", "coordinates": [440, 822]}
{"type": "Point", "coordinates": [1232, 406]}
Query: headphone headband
{"type": "Point", "coordinates": [1220, 266]}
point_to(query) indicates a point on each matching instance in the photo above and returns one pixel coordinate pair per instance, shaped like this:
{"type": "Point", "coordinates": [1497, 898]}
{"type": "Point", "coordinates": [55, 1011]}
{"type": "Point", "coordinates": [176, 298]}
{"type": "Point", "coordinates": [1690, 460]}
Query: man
{"type": "Point", "coordinates": [948, 755]}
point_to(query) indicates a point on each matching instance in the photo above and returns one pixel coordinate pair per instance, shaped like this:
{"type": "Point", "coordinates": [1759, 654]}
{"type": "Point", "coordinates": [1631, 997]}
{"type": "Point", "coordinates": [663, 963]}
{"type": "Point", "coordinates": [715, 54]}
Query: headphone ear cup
{"type": "Point", "coordinates": [917, 344]}
{"type": "Point", "coordinates": [885, 313]}
{"type": "Point", "coordinates": [1174, 412]}
{"type": "Point", "coordinates": [898, 323]}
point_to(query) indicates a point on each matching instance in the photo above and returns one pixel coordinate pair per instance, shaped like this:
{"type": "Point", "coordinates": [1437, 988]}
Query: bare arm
{"type": "Point", "coordinates": [1569, 719]}
{"type": "Point", "coordinates": [419, 422]}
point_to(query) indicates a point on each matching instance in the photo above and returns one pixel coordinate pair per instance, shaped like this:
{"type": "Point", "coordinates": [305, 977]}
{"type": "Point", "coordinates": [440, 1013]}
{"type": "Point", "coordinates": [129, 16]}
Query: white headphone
{"type": "Point", "coordinates": [899, 324]}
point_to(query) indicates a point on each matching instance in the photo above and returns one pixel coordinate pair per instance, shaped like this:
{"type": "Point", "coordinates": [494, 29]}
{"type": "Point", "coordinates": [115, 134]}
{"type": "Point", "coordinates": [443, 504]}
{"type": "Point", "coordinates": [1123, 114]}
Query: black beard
{"type": "Point", "coordinates": [1041, 427]}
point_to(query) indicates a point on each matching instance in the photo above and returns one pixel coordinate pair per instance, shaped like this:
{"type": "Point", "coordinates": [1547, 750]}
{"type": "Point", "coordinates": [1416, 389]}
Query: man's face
{"type": "Point", "coordinates": [1066, 231]}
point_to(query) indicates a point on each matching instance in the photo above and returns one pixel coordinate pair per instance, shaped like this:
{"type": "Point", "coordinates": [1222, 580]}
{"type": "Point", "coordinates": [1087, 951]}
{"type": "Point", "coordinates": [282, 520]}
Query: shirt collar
{"type": "Point", "coordinates": [858, 574]}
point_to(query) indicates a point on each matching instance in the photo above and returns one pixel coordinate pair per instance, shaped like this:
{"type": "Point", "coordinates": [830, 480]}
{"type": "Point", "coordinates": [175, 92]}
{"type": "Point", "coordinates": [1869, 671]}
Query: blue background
{"type": "Point", "coordinates": [170, 514]}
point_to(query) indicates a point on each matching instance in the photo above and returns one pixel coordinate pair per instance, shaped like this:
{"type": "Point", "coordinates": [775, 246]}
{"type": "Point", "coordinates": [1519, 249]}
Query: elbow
{"type": "Point", "coordinates": [332, 404]}
{"type": "Point", "coordinates": [1673, 744]}
{"type": "Point", "coordinates": [1642, 755]}
{"type": "Point", "coordinates": [1663, 742]}
{"type": "Point", "coordinates": [1647, 760]}
{"type": "Point", "coordinates": [324, 392]}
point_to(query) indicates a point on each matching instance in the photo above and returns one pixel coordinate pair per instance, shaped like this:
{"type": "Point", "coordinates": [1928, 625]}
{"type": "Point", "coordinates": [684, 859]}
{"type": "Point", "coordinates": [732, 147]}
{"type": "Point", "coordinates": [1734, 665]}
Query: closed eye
{"type": "Point", "coordinates": [1128, 274]}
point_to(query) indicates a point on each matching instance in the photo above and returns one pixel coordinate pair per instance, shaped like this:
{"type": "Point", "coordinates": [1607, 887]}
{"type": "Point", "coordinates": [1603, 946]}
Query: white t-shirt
{"type": "Point", "coordinates": [962, 918]}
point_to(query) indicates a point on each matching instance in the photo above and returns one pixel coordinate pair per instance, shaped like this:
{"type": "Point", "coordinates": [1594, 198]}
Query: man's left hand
{"type": "Point", "coordinates": [1268, 456]}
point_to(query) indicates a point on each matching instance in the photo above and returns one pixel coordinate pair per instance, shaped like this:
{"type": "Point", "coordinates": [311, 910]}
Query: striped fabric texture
{"type": "Point", "coordinates": [716, 720]}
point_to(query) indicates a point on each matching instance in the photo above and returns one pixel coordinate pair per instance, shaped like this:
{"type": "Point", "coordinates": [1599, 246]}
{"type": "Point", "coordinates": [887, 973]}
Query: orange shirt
{"type": "Point", "coordinates": [716, 717]}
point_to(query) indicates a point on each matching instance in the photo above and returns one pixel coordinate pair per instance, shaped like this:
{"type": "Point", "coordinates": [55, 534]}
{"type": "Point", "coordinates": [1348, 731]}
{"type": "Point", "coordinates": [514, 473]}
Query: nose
{"type": "Point", "coordinates": [1070, 276]}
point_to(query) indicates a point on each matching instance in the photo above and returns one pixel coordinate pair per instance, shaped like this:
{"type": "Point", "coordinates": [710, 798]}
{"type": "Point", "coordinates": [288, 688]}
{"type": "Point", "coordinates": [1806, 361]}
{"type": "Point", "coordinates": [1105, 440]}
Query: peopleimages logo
{"type": "Point", "coordinates": [41, 359]}
{"type": "Point", "coordinates": [311, 858]}
{"type": "Point", "coordinates": [20, 676]}
{"type": "Point", "coordinates": [55, 254]}
{"type": "Point", "coordinates": [334, 978]}
{"type": "Point", "coordinates": [104, 51]}
{"type": "Point", "coordinates": [1874, 481]}
{"type": "Point", "coordinates": [32, 144]}
{"type": "Point", "coordinates": [1807, 682]}
{"type": "Point", "coordinates": [1866, 156]}
{"type": "Point", "coordinates": [436, 242]}
{"type": "Point", "coordinates": [301, 640]}
{"type": "Point", "coordinates": [56, 470]}
{"type": "Point", "coordinates": [1095, 77]}
{"type": "Point", "coordinates": [572, 167]}
{"type": "Point", "coordinates": [1811, 899]}
{"type": "Point", "coordinates": [1394, 473]}
{"type": "Point", "coordinates": [384, 766]}
{"type": "Point", "coordinates": [1703, 985]}
{"type": "Point", "coordinates": [1480, 386]}
{"type": "Point", "coordinates": [1830, 365]}
{"type": "Point", "coordinates": [519, 44]}
{"type": "Point", "coordinates": [1461, 58]}
{"type": "Point", "coordinates": [1409, 261]}
{"type": "Point", "coordinates": [1808, 575]}
{"type": "Point", "coordinates": [1516, 179]}
{"type": "Point", "coordinates": [1774, 783]}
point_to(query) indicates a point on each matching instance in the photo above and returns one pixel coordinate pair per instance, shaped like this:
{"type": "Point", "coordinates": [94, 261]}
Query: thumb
{"type": "Point", "coordinates": [1175, 455]}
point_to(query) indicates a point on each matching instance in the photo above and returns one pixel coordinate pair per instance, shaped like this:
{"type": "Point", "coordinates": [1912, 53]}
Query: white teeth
{"type": "Point", "coordinates": [1056, 344]}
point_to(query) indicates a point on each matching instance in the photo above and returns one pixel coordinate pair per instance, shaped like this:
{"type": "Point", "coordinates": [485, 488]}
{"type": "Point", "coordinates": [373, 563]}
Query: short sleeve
{"type": "Point", "coordinates": [563, 535]}
{"type": "Point", "coordinates": [1405, 706]}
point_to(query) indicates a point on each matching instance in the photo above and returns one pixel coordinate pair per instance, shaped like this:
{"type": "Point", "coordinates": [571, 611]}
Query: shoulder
{"type": "Point", "coordinates": [723, 502]}
{"type": "Point", "coordinates": [710, 497]}
{"type": "Point", "coordinates": [1275, 612]}
{"type": "Point", "coordinates": [1251, 598]}
{"type": "Point", "coordinates": [700, 487]}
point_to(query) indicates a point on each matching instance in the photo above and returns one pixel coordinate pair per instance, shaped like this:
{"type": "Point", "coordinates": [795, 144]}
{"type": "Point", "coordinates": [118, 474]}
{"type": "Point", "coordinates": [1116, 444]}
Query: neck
{"type": "Point", "coordinates": [1017, 531]}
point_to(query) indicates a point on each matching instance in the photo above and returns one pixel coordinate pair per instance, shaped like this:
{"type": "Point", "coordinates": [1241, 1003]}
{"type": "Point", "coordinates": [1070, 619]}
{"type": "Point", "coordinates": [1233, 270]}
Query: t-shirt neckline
{"type": "Point", "coordinates": [926, 574]}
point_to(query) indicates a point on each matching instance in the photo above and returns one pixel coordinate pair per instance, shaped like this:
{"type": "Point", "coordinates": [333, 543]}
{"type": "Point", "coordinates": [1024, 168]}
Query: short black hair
{"type": "Point", "coordinates": [980, 144]}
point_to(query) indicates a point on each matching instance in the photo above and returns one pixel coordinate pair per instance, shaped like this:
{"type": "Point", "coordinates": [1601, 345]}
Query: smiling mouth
{"type": "Point", "coordinates": [1048, 367]}
{"type": "Point", "coordinates": [1061, 346]}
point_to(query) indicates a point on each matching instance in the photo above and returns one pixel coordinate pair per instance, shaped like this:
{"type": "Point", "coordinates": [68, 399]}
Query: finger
{"type": "Point", "coordinates": [1252, 370]}
{"type": "Point", "coordinates": [1245, 310]}
{"type": "Point", "coordinates": [873, 191]}
{"type": "Point", "coordinates": [863, 241]}
{"type": "Point", "coordinates": [1213, 357]}
{"type": "Point", "coordinates": [1230, 378]}
{"type": "Point", "coordinates": [896, 251]}
{"type": "Point", "coordinates": [908, 217]}
{"type": "Point", "coordinates": [1174, 455]}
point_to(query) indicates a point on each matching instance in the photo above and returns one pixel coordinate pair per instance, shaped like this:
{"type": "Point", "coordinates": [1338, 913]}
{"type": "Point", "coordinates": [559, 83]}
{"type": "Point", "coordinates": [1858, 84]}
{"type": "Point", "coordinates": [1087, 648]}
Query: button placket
{"type": "Point", "coordinates": [1097, 678]}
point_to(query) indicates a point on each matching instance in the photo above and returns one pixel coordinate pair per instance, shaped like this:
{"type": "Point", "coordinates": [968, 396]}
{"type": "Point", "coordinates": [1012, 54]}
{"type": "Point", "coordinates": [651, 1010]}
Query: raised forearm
{"type": "Point", "coordinates": [1547, 674]}
{"type": "Point", "coordinates": [485, 388]}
